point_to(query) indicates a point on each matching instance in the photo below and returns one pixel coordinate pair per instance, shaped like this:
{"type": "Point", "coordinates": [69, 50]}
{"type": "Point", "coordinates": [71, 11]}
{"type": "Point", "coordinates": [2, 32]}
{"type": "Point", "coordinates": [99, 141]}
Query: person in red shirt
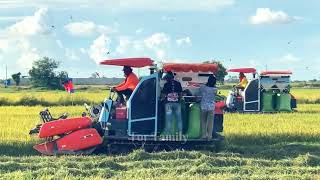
{"type": "Point", "coordinates": [218, 120]}
{"type": "Point", "coordinates": [128, 85]}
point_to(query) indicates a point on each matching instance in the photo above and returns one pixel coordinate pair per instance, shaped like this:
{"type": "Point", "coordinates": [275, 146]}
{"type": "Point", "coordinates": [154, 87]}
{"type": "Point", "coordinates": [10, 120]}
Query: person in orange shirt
{"type": "Point", "coordinates": [126, 88]}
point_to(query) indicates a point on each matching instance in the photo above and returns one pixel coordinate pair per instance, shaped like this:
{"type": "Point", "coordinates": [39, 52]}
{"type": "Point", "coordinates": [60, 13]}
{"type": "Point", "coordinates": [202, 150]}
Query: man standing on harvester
{"type": "Point", "coordinates": [172, 91]}
{"type": "Point", "coordinates": [126, 88]}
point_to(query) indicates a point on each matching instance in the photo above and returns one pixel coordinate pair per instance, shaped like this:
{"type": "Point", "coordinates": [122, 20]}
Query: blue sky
{"type": "Point", "coordinates": [272, 34]}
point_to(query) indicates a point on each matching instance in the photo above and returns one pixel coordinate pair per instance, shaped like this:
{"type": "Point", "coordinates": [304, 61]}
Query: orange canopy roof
{"type": "Point", "coordinates": [183, 67]}
{"type": "Point", "coordinates": [264, 73]}
{"type": "Point", "coordinates": [243, 70]}
{"type": "Point", "coordinates": [131, 62]}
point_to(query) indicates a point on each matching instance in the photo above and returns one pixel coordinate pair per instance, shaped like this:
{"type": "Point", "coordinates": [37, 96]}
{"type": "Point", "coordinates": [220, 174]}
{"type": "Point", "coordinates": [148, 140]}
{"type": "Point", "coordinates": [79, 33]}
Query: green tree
{"type": "Point", "coordinates": [222, 71]}
{"type": "Point", "coordinates": [16, 78]}
{"type": "Point", "coordinates": [43, 74]}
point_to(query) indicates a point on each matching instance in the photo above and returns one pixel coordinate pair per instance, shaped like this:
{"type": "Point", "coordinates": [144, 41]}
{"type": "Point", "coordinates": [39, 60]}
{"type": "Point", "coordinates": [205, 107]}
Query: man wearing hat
{"type": "Point", "coordinates": [126, 88]}
{"type": "Point", "coordinates": [172, 91]}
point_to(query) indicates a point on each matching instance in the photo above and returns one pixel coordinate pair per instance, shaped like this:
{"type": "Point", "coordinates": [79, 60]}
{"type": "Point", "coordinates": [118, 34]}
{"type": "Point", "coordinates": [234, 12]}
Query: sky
{"type": "Point", "coordinates": [264, 34]}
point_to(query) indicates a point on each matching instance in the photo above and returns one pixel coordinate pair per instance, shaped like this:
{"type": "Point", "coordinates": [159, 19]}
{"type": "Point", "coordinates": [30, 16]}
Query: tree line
{"type": "Point", "coordinates": [44, 73]}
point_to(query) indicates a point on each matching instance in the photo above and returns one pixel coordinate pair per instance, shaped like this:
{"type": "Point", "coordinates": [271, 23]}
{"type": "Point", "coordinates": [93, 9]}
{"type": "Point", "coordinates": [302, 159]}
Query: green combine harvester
{"type": "Point", "coordinates": [267, 92]}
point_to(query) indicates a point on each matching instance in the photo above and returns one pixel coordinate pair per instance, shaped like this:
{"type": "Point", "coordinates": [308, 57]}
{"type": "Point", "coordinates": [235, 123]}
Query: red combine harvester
{"type": "Point", "coordinates": [139, 123]}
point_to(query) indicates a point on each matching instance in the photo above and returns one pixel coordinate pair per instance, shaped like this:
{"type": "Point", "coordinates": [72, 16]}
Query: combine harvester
{"type": "Point", "coordinates": [267, 92]}
{"type": "Point", "coordinates": [140, 123]}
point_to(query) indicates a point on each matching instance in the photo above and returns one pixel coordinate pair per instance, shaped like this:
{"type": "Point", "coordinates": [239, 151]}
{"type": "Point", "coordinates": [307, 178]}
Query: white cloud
{"type": "Point", "coordinates": [71, 54]}
{"type": "Point", "coordinates": [84, 28]}
{"type": "Point", "coordinates": [254, 63]}
{"type": "Point", "coordinates": [59, 43]}
{"type": "Point", "coordinates": [268, 16]}
{"type": "Point", "coordinates": [106, 29]}
{"type": "Point", "coordinates": [20, 51]}
{"type": "Point", "coordinates": [138, 45]}
{"type": "Point", "coordinates": [11, 18]}
{"type": "Point", "coordinates": [156, 40]}
{"type": "Point", "coordinates": [27, 40]}
{"type": "Point", "coordinates": [83, 50]}
{"type": "Point", "coordinates": [182, 5]}
{"type": "Point", "coordinates": [99, 48]}
{"type": "Point", "coordinates": [42, 3]}
{"type": "Point", "coordinates": [87, 28]}
{"type": "Point", "coordinates": [32, 25]}
{"type": "Point", "coordinates": [139, 31]}
{"type": "Point", "coordinates": [156, 44]}
{"type": "Point", "coordinates": [161, 53]}
{"type": "Point", "coordinates": [124, 43]}
{"type": "Point", "coordinates": [184, 41]}
{"type": "Point", "coordinates": [3, 45]}
{"type": "Point", "coordinates": [37, 24]}
{"type": "Point", "coordinates": [123, 5]}
{"type": "Point", "coordinates": [168, 18]}
{"type": "Point", "coordinates": [27, 58]}
{"type": "Point", "coordinates": [176, 60]}
{"type": "Point", "coordinates": [288, 59]}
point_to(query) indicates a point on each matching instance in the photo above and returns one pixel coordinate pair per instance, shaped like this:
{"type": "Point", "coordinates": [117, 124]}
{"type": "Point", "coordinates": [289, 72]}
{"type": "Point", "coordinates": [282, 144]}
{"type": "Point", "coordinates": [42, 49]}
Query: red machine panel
{"type": "Point", "coordinates": [46, 148]}
{"type": "Point", "coordinates": [78, 140]}
{"type": "Point", "coordinates": [121, 113]}
{"type": "Point", "coordinates": [61, 126]}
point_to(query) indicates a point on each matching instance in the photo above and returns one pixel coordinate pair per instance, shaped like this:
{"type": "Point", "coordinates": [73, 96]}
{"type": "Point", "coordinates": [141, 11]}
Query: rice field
{"type": "Point", "coordinates": [256, 146]}
{"type": "Point", "coordinates": [61, 98]}
{"type": "Point", "coordinates": [51, 98]}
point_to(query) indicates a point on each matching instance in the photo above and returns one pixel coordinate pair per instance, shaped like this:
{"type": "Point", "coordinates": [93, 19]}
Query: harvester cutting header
{"type": "Point", "coordinates": [163, 110]}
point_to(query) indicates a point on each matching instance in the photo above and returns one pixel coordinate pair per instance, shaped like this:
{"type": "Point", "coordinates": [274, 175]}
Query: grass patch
{"type": "Point", "coordinates": [197, 165]}
{"type": "Point", "coordinates": [256, 146]}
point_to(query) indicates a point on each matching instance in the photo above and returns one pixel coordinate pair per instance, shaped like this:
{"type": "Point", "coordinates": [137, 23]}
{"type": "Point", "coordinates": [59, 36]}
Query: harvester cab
{"type": "Point", "coordinates": [267, 92]}
{"type": "Point", "coordinates": [143, 114]}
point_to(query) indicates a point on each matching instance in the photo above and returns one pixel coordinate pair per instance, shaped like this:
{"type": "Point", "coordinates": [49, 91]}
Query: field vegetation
{"type": "Point", "coordinates": [256, 146]}
{"type": "Point", "coordinates": [94, 95]}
